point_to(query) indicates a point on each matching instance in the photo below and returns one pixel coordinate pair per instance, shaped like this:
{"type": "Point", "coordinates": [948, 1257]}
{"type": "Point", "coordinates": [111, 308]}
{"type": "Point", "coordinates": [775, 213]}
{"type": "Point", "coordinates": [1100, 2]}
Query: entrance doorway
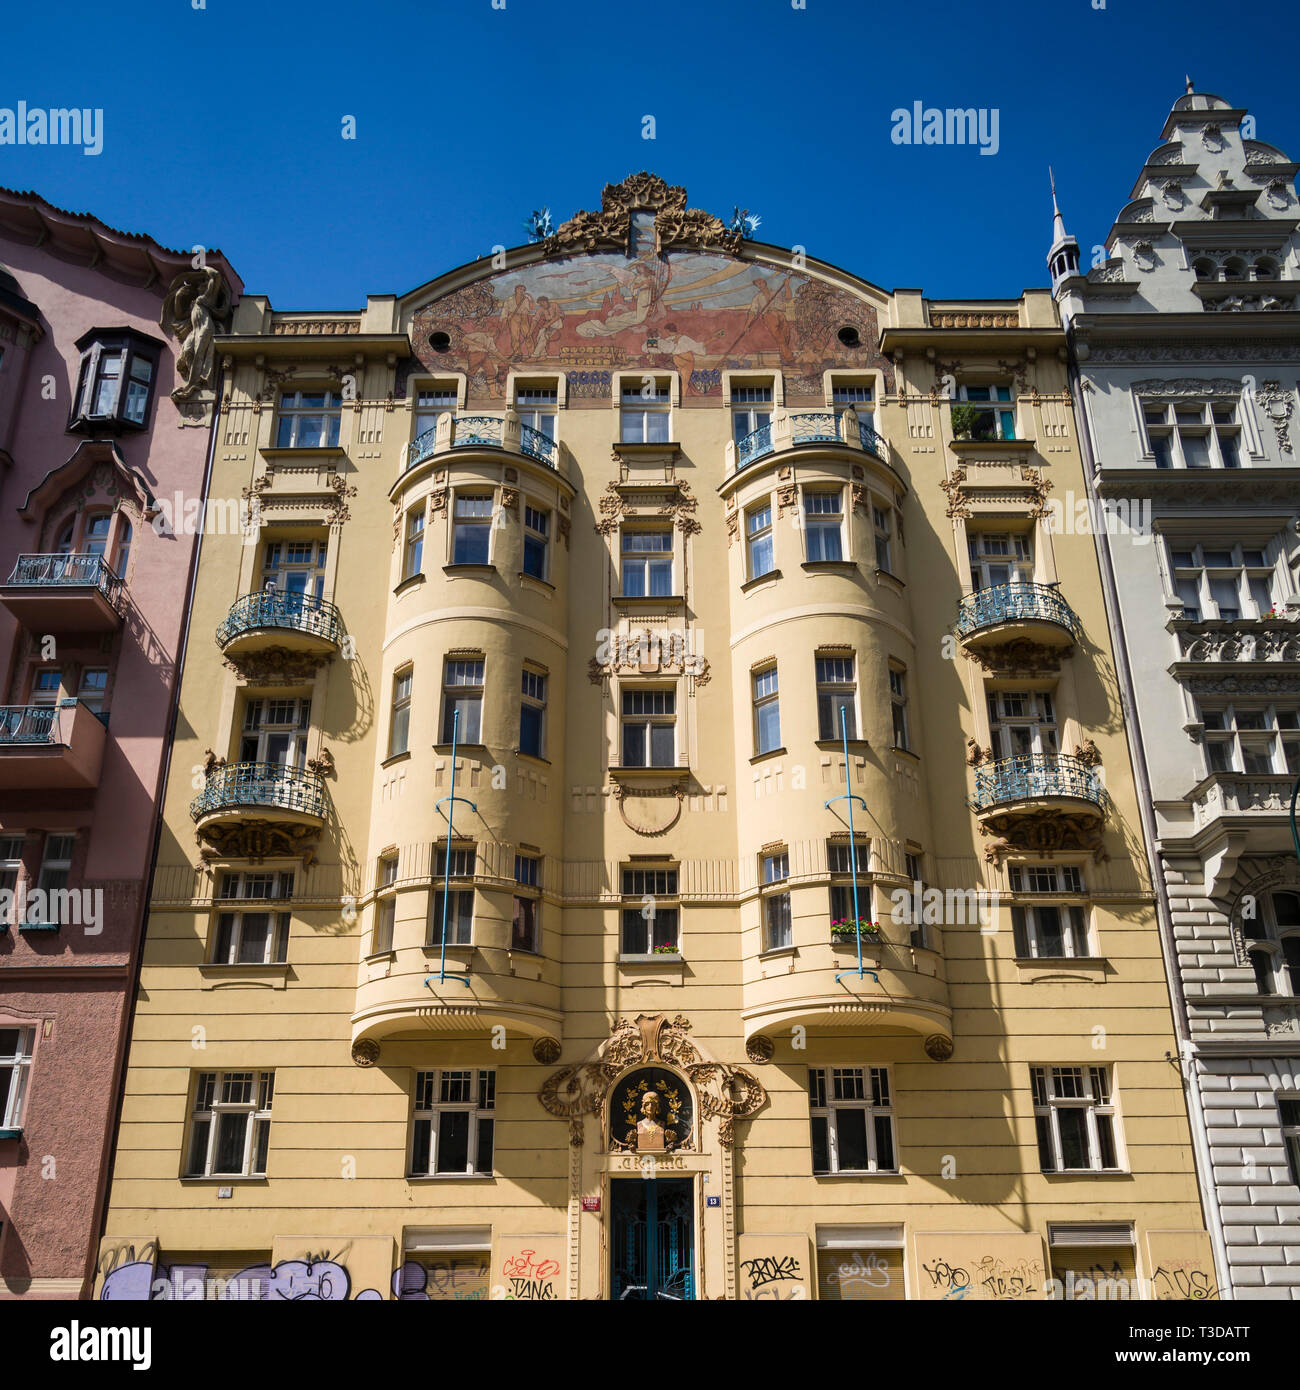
{"type": "Point", "coordinates": [652, 1239]}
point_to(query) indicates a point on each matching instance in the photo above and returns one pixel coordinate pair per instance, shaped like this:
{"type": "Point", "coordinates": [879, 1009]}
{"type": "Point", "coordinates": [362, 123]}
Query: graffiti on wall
{"type": "Point", "coordinates": [773, 1268]}
{"type": "Point", "coordinates": [999, 1267]}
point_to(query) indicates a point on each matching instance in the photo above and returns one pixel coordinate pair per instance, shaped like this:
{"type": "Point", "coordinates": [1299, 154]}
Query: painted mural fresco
{"type": "Point", "coordinates": [697, 313]}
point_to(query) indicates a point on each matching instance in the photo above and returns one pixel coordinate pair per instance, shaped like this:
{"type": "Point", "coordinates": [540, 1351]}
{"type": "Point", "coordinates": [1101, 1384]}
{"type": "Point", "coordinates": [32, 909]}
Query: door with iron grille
{"type": "Point", "coordinates": [652, 1239]}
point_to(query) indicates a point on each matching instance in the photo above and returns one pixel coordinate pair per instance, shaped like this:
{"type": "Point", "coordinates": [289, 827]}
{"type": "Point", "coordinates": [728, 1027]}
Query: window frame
{"type": "Point", "coordinates": [18, 1065]}
{"type": "Point", "coordinates": [1207, 579]}
{"type": "Point", "coordinates": [539, 538]}
{"type": "Point", "coordinates": [399, 711]}
{"type": "Point", "coordinates": [385, 922]}
{"type": "Point", "coordinates": [901, 722]}
{"type": "Point", "coordinates": [290, 410]}
{"type": "Point", "coordinates": [823, 524]}
{"type": "Point", "coordinates": [535, 699]}
{"type": "Point", "coordinates": [527, 891]}
{"type": "Point", "coordinates": [1048, 1107]}
{"type": "Point", "coordinates": [473, 694]}
{"type": "Point", "coordinates": [660, 884]}
{"type": "Point", "coordinates": [755, 536]}
{"type": "Point", "coordinates": [999, 407]}
{"type": "Point", "coordinates": [824, 1105]}
{"type": "Point", "coordinates": [828, 689]}
{"type": "Point", "coordinates": [765, 701]}
{"type": "Point", "coordinates": [94, 347]}
{"type": "Point", "coordinates": [472, 526]}
{"type": "Point", "coordinates": [778, 917]}
{"type": "Point", "coordinates": [257, 1133]}
{"type": "Point", "coordinates": [635, 407]}
{"type": "Point", "coordinates": [648, 722]}
{"type": "Point", "coordinates": [646, 561]}
{"type": "Point", "coordinates": [480, 1108]}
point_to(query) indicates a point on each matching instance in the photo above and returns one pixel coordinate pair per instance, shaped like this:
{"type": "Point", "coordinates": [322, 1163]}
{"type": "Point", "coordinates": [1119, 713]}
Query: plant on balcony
{"type": "Point", "coordinates": [964, 418]}
{"type": "Point", "coordinates": [666, 948]}
{"type": "Point", "coordinates": [846, 929]}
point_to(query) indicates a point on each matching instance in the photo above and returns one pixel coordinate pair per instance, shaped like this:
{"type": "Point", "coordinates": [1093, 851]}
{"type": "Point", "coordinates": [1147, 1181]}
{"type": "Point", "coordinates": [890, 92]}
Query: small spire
{"type": "Point", "coordinates": [1058, 222]}
{"type": "Point", "coordinates": [1190, 88]}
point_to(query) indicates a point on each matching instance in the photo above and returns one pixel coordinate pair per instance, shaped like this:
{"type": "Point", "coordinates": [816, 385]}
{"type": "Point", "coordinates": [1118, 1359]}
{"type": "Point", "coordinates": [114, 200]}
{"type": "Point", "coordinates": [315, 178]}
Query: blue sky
{"type": "Point", "coordinates": [223, 125]}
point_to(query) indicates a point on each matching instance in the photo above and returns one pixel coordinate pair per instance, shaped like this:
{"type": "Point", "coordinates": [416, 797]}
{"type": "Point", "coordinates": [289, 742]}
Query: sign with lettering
{"type": "Point", "coordinates": [1182, 1266]}
{"type": "Point", "coordinates": [591, 1204]}
{"type": "Point", "coordinates": [773, 1267]}
{"type": "Point", "coordinates": [1006, 1266]}
{"type": "Point", "coordinates": [713, 1201]}
{"type": "Point", "coordinates": [529, 1268]}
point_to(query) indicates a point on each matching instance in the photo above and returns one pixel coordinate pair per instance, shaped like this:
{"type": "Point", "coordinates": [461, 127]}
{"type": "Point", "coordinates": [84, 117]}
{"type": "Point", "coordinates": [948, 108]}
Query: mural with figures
{"type": "Point", "coordinates": [698, 313]}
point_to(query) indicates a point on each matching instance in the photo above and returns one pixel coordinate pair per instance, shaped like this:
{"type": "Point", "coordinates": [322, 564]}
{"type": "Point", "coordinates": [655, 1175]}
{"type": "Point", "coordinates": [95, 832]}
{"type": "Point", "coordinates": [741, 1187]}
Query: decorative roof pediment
{"type": "Point", "coordinates": [675, 225]}
{"type": "Point", "coordinates": [85, 458]}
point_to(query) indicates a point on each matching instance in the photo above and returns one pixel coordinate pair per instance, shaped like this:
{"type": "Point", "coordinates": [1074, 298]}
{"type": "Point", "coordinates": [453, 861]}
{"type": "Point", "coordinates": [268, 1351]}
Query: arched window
{"type": "Point", "coordinates": [1273, 942]}
{"type": "Point", "coordinates": [1204, 269]}
{"type": "Point", "coordinates": [63, 542]}
{"type": "Point", "coordinates": [95, 539]}
{"type": "Point", "coordinates": [1266, 269]}
{"type": "Point", "coordinates": [1234, 268]}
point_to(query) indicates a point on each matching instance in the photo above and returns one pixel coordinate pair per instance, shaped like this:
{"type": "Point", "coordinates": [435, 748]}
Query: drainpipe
{"type": "Point", "coordinates": [136, 966]}
{"type": "Point", "coordinates": [1146, 810]}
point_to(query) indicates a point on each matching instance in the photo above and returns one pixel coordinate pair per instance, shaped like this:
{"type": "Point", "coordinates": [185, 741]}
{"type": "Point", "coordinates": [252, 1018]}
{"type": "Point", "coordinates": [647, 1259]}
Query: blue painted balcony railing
{"type": "Point", "coordinates": [275, 608]}
{"type": "Point", "coordinates": [67, 571]}
{"type": "Point", "coordinates": [1005, 603]}
{"type": "Point", "coordinates": [1033, 777]}
{"type": "Point", "coordinates": [261, 785]}
{"type": "Point", "coordinates": [29, 723]}
{"type": "Point", "coordinates": [492, 430]}
{"type": "Point", "coordinates": [805, 427]}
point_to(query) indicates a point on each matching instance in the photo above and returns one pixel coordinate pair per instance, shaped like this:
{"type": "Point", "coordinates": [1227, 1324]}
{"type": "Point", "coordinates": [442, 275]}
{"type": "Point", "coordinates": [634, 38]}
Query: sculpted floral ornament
{"type": "Point", "coordinates": [725, 1094]}
{"type": "Point", "coordinates": [675, 225]}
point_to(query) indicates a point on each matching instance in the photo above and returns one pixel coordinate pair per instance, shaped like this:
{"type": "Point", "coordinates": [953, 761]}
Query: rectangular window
{"type": "Point", "coordinates": [767, 711]}
{"type": "Point", "coordinates": [536, 406]}
{"type": "Point", "coordinates": [759, 541]}
{"type": "Point", "coordinates": [454, 1122]}
{"type": "Point", "coordinates": [56, 866]}
{"type": "Point", "coordinates": [650, 912]}
{"type": "Point", "coordinates": [852, 1120]}
{"type": "Point", "coordinates": [526, 928]}
{"type": "Point", "coordinates": [11, 863]}
{"type": "Point", "coordinates": [400, 724]}
{"type": "Point", "coordinates": [46, 686]}
{"type": "Point", "coordinates": [385, 906]}
{"type": "Point", "coordinates": [93, 687]}
{"type": "Point", "coordinates": [1074, 1116]}
{"type": "Point", "coordinates": [413, 562]}
{"type": "Point", "coordinates": [1045, 878]}
{"type": "Point", "coordinates": [647, 563]}
{"type": "Point", "coordinates": [777, 930]}
{"type": "Point", "coordinates": [431, 405]}
{"type": "Point", "coordinates": [1225, 581]}
{"type": "Point", "coordinates": [309, 420]}
{"type": "Point", "coordinates": [823, 522]}
{"type": "Point", "coordinates": [751, 409]}
{"type": "Point", "coordinates": [898, 705]}
{"type": "Point", "coordinates": [880, 520]}
{"type": "Point", "coordinates": [1050, 930]}
{"type": "Point", "coordinates": [840, 857]}
{"type": "Point", "coordinates": [462, 701]}
{"type": "Point", "coordinates": [1263, 740]}
{"type": "Point", "coordinates": [998, 558]}
{"type": "Point", "coordinates": [1093, 1262]}
{"type": "Point", "coordinates": [459, 920]}
{"type": "Point", "coordinates": [649, 733]}
{"type": "Point", "coordinates": [295, 567]}
{"type": "Point", "coordinates": [532, 714]}
{"type": "Point", "coordinates": [15, 1068]}
{"type": "Point", "coordinates": [537, 530]}
{"type": "Point", "coordinates": [1192, 434]}
{"type": "Point", "coordinates": [275, 732]}
{"type": "Point", "coordinates": [1022, 724]}
{"type": "Point", "coordinates": [644, 413]}
{"type": "Point", "coordinates": [837, 690]}
{"type": "Point", "coordinates": [995, 415]}
{"type": "Point", "coordinates": [230, 1126]}
{"type": "Point", "coordinates": [1288, 1112]}
{"type": "Point", "coordinates": [259, 937]}
{"type": "Point", "coordinates": [471, 529]}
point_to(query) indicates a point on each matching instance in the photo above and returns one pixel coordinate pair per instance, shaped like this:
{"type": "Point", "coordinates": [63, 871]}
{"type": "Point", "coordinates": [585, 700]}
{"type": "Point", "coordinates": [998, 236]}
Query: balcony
{"type": "Point", "coordinates": [64, 593]}
{"type": "Point", "coordinates": [462, 431]}
{"type": "Point", "coordinates": [792, 429]}
{"type": "Point", "coordinates": [258, 810]}
{"type": "Point", "coordinates": [1037, 778]}
{"type": "Point", "coordinates": [295, 622]}
{"type": "Point", "coordinates": [1001, 613]}
{"type": "Point", "coordinates": [50, 747]}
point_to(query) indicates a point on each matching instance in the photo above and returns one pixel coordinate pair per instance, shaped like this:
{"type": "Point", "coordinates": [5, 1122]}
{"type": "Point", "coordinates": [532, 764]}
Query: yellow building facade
{"type": "Point", "coordinates": [650, 814]}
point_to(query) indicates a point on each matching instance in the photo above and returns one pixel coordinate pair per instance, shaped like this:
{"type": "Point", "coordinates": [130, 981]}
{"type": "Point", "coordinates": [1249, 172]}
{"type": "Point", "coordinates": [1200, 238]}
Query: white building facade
{"type": "Point", "coordinates": [1185, 333]}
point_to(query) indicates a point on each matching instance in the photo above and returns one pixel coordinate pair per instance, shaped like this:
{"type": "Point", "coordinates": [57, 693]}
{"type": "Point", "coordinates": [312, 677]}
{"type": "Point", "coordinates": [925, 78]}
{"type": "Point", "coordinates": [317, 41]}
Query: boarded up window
{"type": "Point", "coordinates": [865, 1272]}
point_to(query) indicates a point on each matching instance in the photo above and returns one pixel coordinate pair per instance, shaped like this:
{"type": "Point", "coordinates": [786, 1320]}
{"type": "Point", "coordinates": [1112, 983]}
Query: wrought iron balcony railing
{"type": "Point", "coordinates": [496, 431]}
{"type": "Point", "coordinates": [1033, 777]}
{"type": "Point", "coordinates": [274, 608]}
{"type": "Point", "coordinates": [29, 724]}
{"type": "Point", "coordinates": [1005, 603]}
{"type": "Point", "coordinates": [789, 429]}
{"type": "Point", "coordinates": [261, 785]}
{"type": "Point", "coordinates": [67, 571]}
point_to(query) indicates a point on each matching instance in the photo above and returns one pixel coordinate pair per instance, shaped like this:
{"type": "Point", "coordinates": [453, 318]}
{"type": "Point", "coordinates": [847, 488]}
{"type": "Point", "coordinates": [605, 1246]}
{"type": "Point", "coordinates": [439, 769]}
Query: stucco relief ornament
{"type": "Point", "coordinates": [1212, 138]}
{"type": "Point", "coordinates": [197, 305]}
{"type": "Point", "coordinates": [952, 485]}
{"type": "Point", "coordinates": [1172, 195]}
{"type": "Point", "coordinates": [1278, 405]}
{"type": "Point", "coordinates": [365, 1053]}
{"type": "Point", "coordinates": [1144, 255]}
{"type": "Point", "coordinates": [1039, 487]}
{"type": "Point", "coordinates": [611, 228]}
{"type": "Point", "coordinates": [1278, 194]}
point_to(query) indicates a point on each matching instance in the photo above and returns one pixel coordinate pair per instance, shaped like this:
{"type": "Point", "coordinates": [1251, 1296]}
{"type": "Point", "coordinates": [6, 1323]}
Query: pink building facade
{"type": "Point", "coordinates": [107, 380]}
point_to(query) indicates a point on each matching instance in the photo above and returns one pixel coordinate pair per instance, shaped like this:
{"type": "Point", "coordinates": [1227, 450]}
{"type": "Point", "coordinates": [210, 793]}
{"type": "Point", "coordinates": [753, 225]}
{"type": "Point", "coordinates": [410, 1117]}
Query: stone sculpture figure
{"type": "Point", "coordinates": [196, 303]}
